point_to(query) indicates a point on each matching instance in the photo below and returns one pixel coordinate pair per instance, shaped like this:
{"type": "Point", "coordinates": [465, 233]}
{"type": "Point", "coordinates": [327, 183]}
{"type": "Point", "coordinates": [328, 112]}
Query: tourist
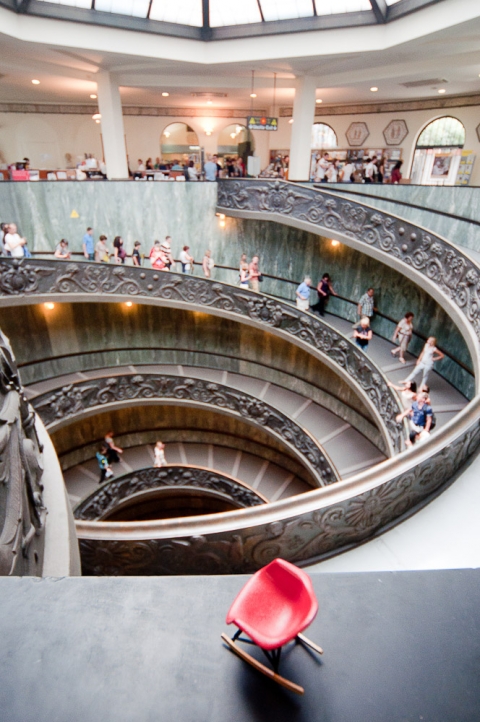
{"type": "Point", "coordinates": [380, 169]}
{"type": "Point", "coordinates": [118, 250]}
{"type": "Point", "coordinates": [366, 306]}
{"type": "Point", "coordinates": [208, 264]}
{"type": "Point", "coordinates": [324, 290]}
{"type": "Point", "coordinates": [88, 245]}
{"type": "Point", "coordinates": [166, 248]}
{"type": "Point", "coordinates": [186, 260]}
{"type": "Point", "coordinates": [176, 165]}
{"type": "Point", "coordinates": [426, 360]}
{"type": "Point", "coordinates": [408, 389]}
{"type": "Point", "coordinates": [149, 164]}
{"type": "Point", "coordinates": [254, 274]}
{"type": "Point", "coordinates": [363, 334]}
{"type": "Point", "coordinates": [420, 415]}
{"type": "Point", "coordinates": [112, 450]}
{"type": "Point", "coordinates": [396, 175]}
{"type": "Point", "coordinates": [243, 271]}
{"type": "Point", "coordinates": [157, 257]}
{"type": "Point", "coordinates": [303, 294]}
{"type": "Point", "coordinates": [331, 174]}
{"type": "Point", "coordinates": [159, 453]}
{"type": "Point", "coordinates": [211, 170]}
{"type": "Point", "coordinates": [106, 471]}
{"type": "Point", "coordinates": [321, 168]}
{"type": "Point", "coordinates": [192, 174]}
{"type": "Point", "coordinates": [136, 257]}
{"type": "Point", "coordinates": [102, 254]}
{"type": "Point", "coordinates": [403, 333]}
{"type": "Point", "coordinates": [371, 170]}
{"type": "Point", "coordinates": [13, 242]}
{"type": "Point", "coordinates": [62, 251]}
{"type": "Point", "coordinates": [141, 167]}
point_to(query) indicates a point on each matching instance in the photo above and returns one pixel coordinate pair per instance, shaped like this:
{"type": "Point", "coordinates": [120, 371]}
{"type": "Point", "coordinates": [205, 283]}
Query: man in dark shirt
{"type": "Point", "coordinates": [324, 290]}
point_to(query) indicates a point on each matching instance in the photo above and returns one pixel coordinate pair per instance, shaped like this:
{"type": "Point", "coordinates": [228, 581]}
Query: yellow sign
{"type": "Point", "coordinates": [74, 214]}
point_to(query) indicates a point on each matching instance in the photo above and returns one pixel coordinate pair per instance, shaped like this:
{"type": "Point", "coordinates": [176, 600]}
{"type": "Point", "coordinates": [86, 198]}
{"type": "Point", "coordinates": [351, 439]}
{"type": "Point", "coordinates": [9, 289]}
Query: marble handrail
{"type": "Point", "coordinates": [67, 404]}
{"type": "Point", "coordinates": [109, 495]}
{"type": "Point", "coordinates": [32, 281]}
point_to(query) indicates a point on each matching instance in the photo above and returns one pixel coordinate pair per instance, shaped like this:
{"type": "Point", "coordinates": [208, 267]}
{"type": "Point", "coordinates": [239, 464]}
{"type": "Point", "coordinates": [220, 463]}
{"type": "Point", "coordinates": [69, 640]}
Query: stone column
{"type": "Point", "coordinates": [113, 133]}
{"type": "Point", "coordinates": [303, 118]}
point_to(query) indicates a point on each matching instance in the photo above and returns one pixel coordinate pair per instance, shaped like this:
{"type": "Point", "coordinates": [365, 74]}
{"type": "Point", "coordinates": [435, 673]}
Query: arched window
{"type": "Point", "coordinates": [179, 141]}
{"type": "Point", "coordinates": [437, 152]}
{"type": "Point", "coordinates": [442, 133]}
{"type": "Point", "coordinates": [235, 140]}
{"type": "Point", "coordinates": [323, 136]}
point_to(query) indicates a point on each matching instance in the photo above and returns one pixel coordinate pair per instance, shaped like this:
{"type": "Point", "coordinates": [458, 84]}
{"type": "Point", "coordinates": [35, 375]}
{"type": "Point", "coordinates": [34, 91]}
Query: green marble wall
{"type": "Point", "coordinates": [84, 336]}
{"type": "Point", "coordinates": [186, 211]}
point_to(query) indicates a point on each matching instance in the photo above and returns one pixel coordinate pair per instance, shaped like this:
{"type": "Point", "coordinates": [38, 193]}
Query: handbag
{"type": "Point", "coordinates": [260, 278]}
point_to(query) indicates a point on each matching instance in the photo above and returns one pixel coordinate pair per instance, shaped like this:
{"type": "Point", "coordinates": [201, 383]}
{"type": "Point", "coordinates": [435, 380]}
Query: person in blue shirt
{"type": "Point", "coordinates": [211, 170]}
{"type": "Point", "coordinates": [303, 294]}
{"type": "Point", "coordinates": [420, 414]}
{"type": "Point", "coordinates": [89, 245]}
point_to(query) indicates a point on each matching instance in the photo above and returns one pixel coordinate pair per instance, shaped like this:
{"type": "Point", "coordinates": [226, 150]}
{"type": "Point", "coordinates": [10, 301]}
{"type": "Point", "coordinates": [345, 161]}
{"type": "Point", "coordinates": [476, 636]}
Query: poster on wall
{"type": "Point", "coordinates": [441, 165]}
{"type": "Point", "coordinates": [465, 168]}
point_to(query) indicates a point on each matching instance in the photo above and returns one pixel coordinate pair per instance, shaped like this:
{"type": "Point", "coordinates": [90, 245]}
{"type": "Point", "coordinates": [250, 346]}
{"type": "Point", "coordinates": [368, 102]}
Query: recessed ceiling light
{"type": "Point", "coordinates": [253, 95]}
{"type": "Point", "coordinates": [374, 89]}
{"type": "Point", "coordinates": [165, 95]}
{"type": "Point", "coordinates": [93, 96]}
{"type": "Point", "coordinates": [318, 100]}
{"type": "Point", "coordinates": [291, 120]}
{"type": "Point", "coordinates": [36, 82]}
{"type": "Point", "coordinates": [49, 305]}
{"type": "Point", "coordinates": [209, 102]}
{"type": "Point", "coordinates": [128, 304]}
{"type": "Point", "coordinates": [442, 90]}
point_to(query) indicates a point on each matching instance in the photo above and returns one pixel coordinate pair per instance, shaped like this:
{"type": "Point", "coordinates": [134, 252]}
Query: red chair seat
{"type": "Point", "coordinates": [275, 605]}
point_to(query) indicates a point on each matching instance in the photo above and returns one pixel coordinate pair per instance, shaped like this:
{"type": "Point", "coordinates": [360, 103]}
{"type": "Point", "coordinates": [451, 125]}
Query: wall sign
{"type": "Point", "coordinates": [395, 132]}
{"type": "Point", "coordinates": [357, 134]}
{"type": "Point", "coordinates": [261, 122]}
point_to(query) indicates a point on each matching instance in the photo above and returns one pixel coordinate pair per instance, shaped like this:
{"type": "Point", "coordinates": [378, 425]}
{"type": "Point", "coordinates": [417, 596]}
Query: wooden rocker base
{"type": "Point", "coordinates": [261, 667]}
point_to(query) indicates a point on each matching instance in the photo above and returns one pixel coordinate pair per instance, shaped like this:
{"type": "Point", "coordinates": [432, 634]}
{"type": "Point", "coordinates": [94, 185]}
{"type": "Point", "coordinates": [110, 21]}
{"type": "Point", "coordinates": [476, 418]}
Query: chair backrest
{"type": "Point", "coordinates": [292, 583]}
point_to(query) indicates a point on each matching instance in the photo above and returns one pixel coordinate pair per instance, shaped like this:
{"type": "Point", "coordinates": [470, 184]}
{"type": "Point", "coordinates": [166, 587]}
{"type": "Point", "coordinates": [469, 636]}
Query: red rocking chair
{"type": "Point", "coordinates": [273, 608]}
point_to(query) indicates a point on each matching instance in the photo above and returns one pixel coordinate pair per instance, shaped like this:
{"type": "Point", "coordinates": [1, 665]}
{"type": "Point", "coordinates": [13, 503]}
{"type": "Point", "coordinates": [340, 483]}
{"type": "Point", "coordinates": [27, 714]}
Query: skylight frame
{"type": "Point", "coordinates": [379, 13]}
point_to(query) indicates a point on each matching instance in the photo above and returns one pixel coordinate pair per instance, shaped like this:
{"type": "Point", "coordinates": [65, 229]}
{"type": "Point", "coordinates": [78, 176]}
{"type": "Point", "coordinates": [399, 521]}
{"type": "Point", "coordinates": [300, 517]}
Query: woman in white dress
{"type": "Point", "coordinates": [159, 453]}
{"type": "Point", "coordinates": [403, 333]}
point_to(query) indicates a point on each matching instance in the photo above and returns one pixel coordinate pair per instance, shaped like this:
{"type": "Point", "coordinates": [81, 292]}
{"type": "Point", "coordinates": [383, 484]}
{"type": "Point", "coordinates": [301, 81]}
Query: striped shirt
{"type": "Point", "coordinates": [366, 303]}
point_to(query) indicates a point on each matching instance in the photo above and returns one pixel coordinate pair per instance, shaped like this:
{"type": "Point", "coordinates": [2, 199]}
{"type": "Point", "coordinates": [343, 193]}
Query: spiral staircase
{"type": "Point", "coordinates": [328, 464]}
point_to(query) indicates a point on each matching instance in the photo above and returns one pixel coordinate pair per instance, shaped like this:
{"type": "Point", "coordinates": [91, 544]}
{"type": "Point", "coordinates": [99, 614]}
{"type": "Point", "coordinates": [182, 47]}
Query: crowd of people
{"type": "Point", "coordinates": [369, 170]}
{"type": "Point", "coordinates": [419, 413]}
{"type": "Point", "coordinates": [213, 168]}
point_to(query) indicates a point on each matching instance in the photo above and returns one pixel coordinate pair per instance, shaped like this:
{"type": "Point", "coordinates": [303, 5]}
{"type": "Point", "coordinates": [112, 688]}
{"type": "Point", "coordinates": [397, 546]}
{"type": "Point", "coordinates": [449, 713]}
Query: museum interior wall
{"type": "Point", "coordinates": [47, 137]}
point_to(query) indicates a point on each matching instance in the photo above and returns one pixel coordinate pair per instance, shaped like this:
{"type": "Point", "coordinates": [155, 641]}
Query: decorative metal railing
{"type": "Point", "coordinates": [324, 521]}
{"type": "Point", "coordinates": [31, 281]}
{"type": "Point", "coordinates": [68, 402]}
{"type": "Point", "coordinates": [448, 273]}
{"type": "Point", "coordinates": [22, 512]}
{"type": "Point", "coordinates": [109, 495]}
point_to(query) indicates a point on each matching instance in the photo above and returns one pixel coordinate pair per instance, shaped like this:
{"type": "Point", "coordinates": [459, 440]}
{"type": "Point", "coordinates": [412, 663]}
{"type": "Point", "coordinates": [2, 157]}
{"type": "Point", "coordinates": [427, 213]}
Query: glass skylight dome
{"type": "Point", "coordinates": [220, 19]}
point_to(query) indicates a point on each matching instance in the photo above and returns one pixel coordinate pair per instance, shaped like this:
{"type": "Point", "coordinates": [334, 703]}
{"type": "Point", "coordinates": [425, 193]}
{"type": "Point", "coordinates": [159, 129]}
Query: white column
{"type": "Point", "coordinates": [303, 118]}
{"type": "Point", "coordinates": [113, 133]}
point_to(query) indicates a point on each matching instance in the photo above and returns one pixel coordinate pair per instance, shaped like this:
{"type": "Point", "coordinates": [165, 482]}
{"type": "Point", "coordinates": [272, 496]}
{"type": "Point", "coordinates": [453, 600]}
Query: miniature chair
{"type": "Point", "coordinates": [273, 608]}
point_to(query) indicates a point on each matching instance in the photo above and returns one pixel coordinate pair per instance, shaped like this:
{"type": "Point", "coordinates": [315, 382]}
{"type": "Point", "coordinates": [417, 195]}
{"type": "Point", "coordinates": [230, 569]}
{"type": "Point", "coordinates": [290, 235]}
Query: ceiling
{"type": "Point", "coordinates": [346, 62]}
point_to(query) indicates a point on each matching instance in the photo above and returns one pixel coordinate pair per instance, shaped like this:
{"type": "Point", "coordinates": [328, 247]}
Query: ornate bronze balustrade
{"type": "Point", "coordinates": [109, 495]}
{"type": "Point", "coordinates": [22, 512]}
{"type": "Point", "coordinates": [31, 281]}
{"type": "Point", "coordinates": [451, 275]}
{"type": "Point", "coordinates": [55, 407]}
